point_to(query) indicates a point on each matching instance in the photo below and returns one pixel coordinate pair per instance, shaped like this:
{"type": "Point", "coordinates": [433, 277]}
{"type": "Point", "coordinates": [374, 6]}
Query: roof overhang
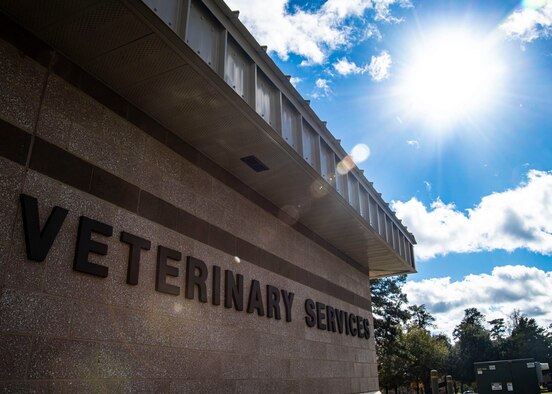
{"type": "Point", "coordinates": [127, 46]}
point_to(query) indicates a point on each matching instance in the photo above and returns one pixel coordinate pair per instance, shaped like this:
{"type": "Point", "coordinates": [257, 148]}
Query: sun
{"type": "Point", "coordinates": [452, 76]}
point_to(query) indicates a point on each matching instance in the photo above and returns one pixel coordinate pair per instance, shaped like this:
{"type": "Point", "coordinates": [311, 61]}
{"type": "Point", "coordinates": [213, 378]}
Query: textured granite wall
{"type": "Point", "coordinates": [67, 331]}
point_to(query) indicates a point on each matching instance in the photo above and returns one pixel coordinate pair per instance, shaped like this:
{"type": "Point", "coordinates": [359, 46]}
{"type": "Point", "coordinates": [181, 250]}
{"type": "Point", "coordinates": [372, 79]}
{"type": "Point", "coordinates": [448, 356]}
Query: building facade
{"type": "Point", "coordinates": [174, 216]}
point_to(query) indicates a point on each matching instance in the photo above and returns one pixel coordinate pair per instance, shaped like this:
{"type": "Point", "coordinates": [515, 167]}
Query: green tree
{"type": "Point", "coordinates": [473, 344]}
{"type": "Point", "coordinates": [392, 368]}
{"type": "Point", "coordinates": [498, 329]}
{"type": "Point", "coordinates": [513, 319]}
{"type": "Point", "coordinates": [497, 332]}
{"type": "Point", "coordinates": [420, 317]}
{"type": "Point", "coordinates": [424, 353]}
{"type": "Point", "coordinates": [528, 340]}
{"type": "Point", "coordinates": [389, 307]}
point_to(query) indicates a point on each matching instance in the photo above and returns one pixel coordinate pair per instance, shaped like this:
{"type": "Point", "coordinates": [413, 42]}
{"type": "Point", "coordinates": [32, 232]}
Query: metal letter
{"type": "Point", "coordinates": [346, 323]}
{"type": "Point", "coordinates": [233, 292]}
{"type": "Point", "coordinates": [164, 270]}
{"type": "Point", "coordinates": [320, 316]}
{"type": "Point", "coordinates": [192, 280]}
{"type": "Point", "coordinates": [330, 311]}
{"type": "Point", "coordinates": [273, 302]}
{"type": "Point", "coordinates": [137, 244]}
{"type": "Point", "coordinates": [352, 328]}
{"type": "Point", "coordinates": [310, 319]}
{"type": "Point", "coordinates": [341, 323]}
{"type": "Point", "coordinates": [288, 302]}
{"type": "Point", "coordinates": [38, 243]}
{"type": "Point", "coordinates": [360, 326]}
{"type": "Point", "coordinates": [86, 245]}
{"type": "Point", "coordinates": [366, 329]}
{"type": "Point", "coordinates": [216, 285]}
{"type": "Point", "coordinates": [255, 298]}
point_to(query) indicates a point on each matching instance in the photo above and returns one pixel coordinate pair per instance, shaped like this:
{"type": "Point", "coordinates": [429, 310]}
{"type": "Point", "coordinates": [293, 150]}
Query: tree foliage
{"type": "Point", "coordinates": [498, 329]}
{"type": "Point", "coordinates": [420, 317]}
{"type": "Point", "coordinates": [389, 306]}
{"type": "Point", "coordinates": [407, 350]}
{"type": "Point", "coordinates": [424, 352]}
{"type": "Point", "coordinates": [473, 343]}
{"type": "Point", "coordinates": [529, 340]}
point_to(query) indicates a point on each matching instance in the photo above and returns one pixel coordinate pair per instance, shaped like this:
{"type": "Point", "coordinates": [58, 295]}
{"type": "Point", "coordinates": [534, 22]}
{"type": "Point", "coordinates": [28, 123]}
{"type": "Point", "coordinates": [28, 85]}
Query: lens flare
{"type": "Point", "coordinates": [318, 190]}
{"type": "Point", "coordinates": [292, 213]}
{"type": "Point", "coordinates": [360, 153]}
{"type": "Point", "coordinates": [345, 165]}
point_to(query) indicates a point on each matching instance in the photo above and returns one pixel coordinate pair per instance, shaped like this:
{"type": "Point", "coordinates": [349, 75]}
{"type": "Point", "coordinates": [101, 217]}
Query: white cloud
{"type": "Point", "coordinates": [344, 8]}
{"type": "Point", "coordinates": [519, 218]}
{"type": "Point", "coordinates": [312, 34]}
{"type": "Point", "coordinates": [427, 185]}
{"type": "Point", "coordinates": [345, 67]}
{"type": "Point", "coordinates": [322, 89]}
{"type": "Point", "coordinates": [529, 24]}
{"type": "Point", "coordinates": [383, 13]}
{"type": "Point", "coordinates": [413, 143]}
{"type": "Point", "coordinates": [322, 83]}
{"type": "Point", "coordinates": [379, 66]}
{"type": "Point", "coordinates": [496, 295]}
{"type": "Point", "coordinates": [295, 81]}
{"type": "Point", "coordinates": [372, 31]}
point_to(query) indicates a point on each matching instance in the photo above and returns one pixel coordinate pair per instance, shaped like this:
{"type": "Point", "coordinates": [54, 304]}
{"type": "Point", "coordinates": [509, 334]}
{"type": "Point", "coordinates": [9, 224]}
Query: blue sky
{"type": "Point", "coordinates": [454, 101]}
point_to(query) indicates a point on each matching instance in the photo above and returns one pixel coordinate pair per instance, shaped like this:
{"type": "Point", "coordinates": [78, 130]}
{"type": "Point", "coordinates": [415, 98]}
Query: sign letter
{"type": "Point", "coordinates": [137, 244]}
{"type": "Point", "coordinates": [86, 245]}
{"type": "Point", "coordinates": [193, 280]}
{"type": "Point", "coordinates": [38, 243]}
{"type": "Point", "coordinates": [164, 270]}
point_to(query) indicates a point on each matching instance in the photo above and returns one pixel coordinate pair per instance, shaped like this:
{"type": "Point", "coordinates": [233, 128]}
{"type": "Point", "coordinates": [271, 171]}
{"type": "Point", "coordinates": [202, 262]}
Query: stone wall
{"type": "Point", "coordinates": [68, 331]}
